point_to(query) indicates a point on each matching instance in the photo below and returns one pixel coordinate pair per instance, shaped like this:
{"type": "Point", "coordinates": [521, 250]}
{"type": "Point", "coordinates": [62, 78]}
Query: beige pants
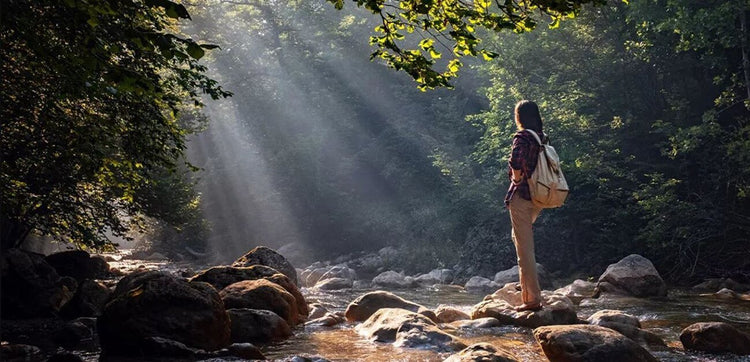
{"type": "Point", "coordinates": [523, 213]}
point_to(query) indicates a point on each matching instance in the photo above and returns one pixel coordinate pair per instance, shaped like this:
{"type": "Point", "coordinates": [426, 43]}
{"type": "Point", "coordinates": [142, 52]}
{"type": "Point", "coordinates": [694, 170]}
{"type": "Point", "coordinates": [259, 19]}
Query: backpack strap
{"type": "Point", "coordinates": [536, 136]}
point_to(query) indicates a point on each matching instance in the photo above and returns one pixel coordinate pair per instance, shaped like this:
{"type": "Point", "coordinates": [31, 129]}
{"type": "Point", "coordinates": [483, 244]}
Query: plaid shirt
{"type": "Point", "coordinates": [524, 155]}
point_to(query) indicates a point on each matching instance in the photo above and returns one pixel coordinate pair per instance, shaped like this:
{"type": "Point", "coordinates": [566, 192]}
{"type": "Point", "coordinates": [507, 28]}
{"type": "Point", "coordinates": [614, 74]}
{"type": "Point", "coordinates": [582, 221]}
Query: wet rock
{"type": "Point", "coordinates": [627, 325]}
{"type": "Point", "coordinates": [366, 305]}
{"type": "Point", "coordinates": [578, 290]}
{"type": "Point", "coordinates": [477, 284]}
{"type": "Point", "coordinates": [19, 352]}
{"type": "Point", "coordinates": [481, 352]}
{"type": "Point", "coordinates": [255, 325]}
{"type": "Point", "coordinates": [426, 336]}
{"type": "Point", "coordinates": [317, 311]}
{"type": "Point", "coordinates": [715, 337]}
{"type": "Point", "coordinates": [334, 284]}
{"type": "Point", "coordinates": [588, 343]}
{"type": "Point", "coordinates": [633, 275]}
{"type": "Point", "coordinates": [511, 276]}
{"type": "Point", "coordinates": [73, 334]}
{"type": "Point", "coordinates": [327, 320]}
{"type": "Point", "coordinates": [223, 276]}
{"type": "Point", "coordinates": [79, 265]}
{"type": "Point", "coordinates": [392, 279]}
{"type": "Point", "coordinates": [157, 304]}
{"type": "Point", "coordinates": [262, 294]}
{"type": "Point", "coordinates": [384, 324]}
{"type": "Point", "coordinates": [558, 309]}
{"type": "Point", "coordinates": [446, 314]}
{"type": "Point", "coordinates": [731, 294]}
{"type": "Point", "coordinates": [436, 276]}
{"type": "Point", "coordinates": [716, 284]}
{"type": "Point", "coordinates": [88, 301]}
{"type": "Point", "coordinates": [311, 276]}
{"type": "Point", "coordinates": [31, 287]}
{"type": "Point", "coordinates": [245, 351]}
{"type": "Point", "coordinates": [304, 359]}
{"type": "Point", "coordinates": [262, 255]}
{"type": "Point", "coordinates": [65, 357]}
{"type": "Point", "coordinates": [479, 323]}
{"type": "Point", "coordinates": [339, 271]}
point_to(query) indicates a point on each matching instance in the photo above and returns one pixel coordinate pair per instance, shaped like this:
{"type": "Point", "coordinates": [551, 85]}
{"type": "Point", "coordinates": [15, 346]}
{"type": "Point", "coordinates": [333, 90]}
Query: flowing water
{"type": "Point", "coordinates": [665, 317]}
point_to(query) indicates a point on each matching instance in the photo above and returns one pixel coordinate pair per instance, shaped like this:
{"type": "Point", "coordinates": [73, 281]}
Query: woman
{"type": "Point", "coordinates": [523, 212]}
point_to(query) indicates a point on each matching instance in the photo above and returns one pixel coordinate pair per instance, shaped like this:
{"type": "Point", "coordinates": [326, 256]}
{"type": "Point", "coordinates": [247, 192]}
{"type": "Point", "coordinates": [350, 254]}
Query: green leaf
{"type": "Point", "coordinates": [195, 51]}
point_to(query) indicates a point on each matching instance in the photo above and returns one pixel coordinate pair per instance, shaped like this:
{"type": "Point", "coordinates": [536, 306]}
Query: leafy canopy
{"type": "Point", "coordinates": [451, 26]}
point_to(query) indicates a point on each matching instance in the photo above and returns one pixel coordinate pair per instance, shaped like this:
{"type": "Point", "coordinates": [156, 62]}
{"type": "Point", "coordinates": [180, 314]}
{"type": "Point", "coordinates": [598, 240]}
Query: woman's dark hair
{"type": "Point", "coordinates": [527, 116]}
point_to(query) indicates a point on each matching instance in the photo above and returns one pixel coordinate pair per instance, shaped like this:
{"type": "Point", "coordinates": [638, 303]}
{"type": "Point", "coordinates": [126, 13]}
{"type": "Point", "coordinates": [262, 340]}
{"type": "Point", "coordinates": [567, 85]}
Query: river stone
{"type": "Point", "coordinates": [558, 309]}
{"type": "Point", "coordinates": [223, 276]}
{"type": "Point", "coordinates": [731, 294]}
{"type": "Point", "coordinates": [312, 275]}
{"type": "Point", "coordinates": [627, 325]}
{"type": "Point", "coordinates": [262, 294]}
{"type": "Point", "coordinates": [715, 284]}
{"type": "Point", "coordinates": [588, 343]}
{"type": "Point", "coordinates": [392, 279]}
{"type": "Point", "coordinates": [78, 265]}
{"type": "Point", "coordinates": [317, 310]}
{"type": "Point", "coordinates": [363, 307]}
{"type": "Point", "coordinates": [339, 271]}
{"type": "Point", "coordinates": [447, 314]}
{"type": "Point", "coordinates": [481, 352]}
{"type": "Point", "coordinates": [328, 320]}
{"type": "Point", "coordinates": [31, 287]}
{"type": "Point", "coordinates": [256, 325]}
{"type": "Point", "coordinates": [88, 301]}
{"type": "Point", "coordinates": [246, 351]}
{"type": "Point", "coordinates": [262, 255]}
{"type": "Point", "coordinates": [479, 284]}
{"type": "Point", "coordinates": [426, 336]}
{"type": "Point", "coordinates": [334, 284]}
{"type": "Point", "coordinates": [634, 275]}
{"type": "Point", "coordinates": [511, 276]}
{"type": "Point", "coordinates": [578, 290]}
{"type": "Point", "coordinates": [383, 325]}
{"type": "Point", "coordinates": [436, 276]}
{"type": "Point", "coordinates": [715, 337]}
{"type": "Point", "coordinates": [157, 304]}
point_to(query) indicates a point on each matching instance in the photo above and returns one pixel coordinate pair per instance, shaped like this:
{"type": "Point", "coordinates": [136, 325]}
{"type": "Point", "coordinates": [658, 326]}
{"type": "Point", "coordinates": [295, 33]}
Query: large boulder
{"type": "Point", "coordinates": [88, 301]}
{"type": "Point", "coordinates": [716, 284]}
{"type": "Point", "coordinates": [436, 276]}
{"type": "Point", "coordinates": [262, 294]}
{"type": "Point", "coordinates": [262, 255]}
{"type": "Point", "coordinates": [363, 307]}
{"type": "Point", "coordinates": [156, 304]}
{"type": "Point", "coordinates": [426, 337]}
{"type": "Point", "coordinates": [334, 284]}
{"type": "Point", "coordinates": [584, 343]}
{"type": "Point", "coordinates": [627, 325]}
{"type": "Point", "coordinates": [384, 324]}
{"type": "Point", "coordinates": [79, 265]}
{"type": "Point", "coordinates": [339, 271]}
{"type": "Point", "coordinates": [257, 326]}
{"type": "Point", "coordinates": [633, 275]}
{"type": "Point", "coordinates": [481, 352]}
{"type": "Point", "coordinates": [715, 337]}
{"type": "Point", "coordinates": [557, 309]}
{"type": "Point", "coordinates": [223, 276]}
{"type": "Point", "coordinates": [392, 279]}
{"type": "Point", "coordinates": [447, 314]}
{"type": "Point", "coordinates": [477, 284]}
{"type": "Point", "coordinates": [578, 290]}
{"type": "Point", "coordinates": [31, 287]}
{"type": "Point", "coordinates": [511, 276]}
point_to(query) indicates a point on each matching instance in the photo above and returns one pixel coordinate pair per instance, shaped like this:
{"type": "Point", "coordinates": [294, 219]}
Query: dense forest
{"type": "Point", "coordinates": [646, 102]}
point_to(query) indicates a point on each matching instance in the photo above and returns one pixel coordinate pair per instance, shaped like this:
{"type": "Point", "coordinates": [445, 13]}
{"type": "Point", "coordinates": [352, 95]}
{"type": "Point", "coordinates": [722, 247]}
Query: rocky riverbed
{"type": "Point", "coordinates": [73, 306]}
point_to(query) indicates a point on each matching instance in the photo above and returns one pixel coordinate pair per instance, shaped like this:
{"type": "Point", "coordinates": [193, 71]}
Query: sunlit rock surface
{"type": "Point", "coordinates": [258, 326]}
{"type": "Point", "coordinates": [481, 352]}
{"type": "Point", "coordinates": [383, 325]}
{"type": "Point", "coordinates": [363, 307]}
{"type": "Point", "coordinates": [339, 271]}
{"type": "Point", "coordinates": [30, 286]}
{"type": "Point", "coordinates": [715, 337]}
{"type": "Point", "coordinates": [262, 255]}
{"type": "Point", "coordinates": [330, 319]}
{"type": "Point", "coordinates": [588, 343]}
{"type": "Point", "coordinates": [394, 280]}
{"type": "Point", "coordinates": [557, 310]}
{"type": "Point", "coordinates": [479, 323]}
{"type": "Point", "coordinates": [578, 290]}
{"type": "Point", "coordinates": [427, 337]}
{"type": "Point", "coordinates": [447, 314]}
{"type": "Point", "coordinates": [627, 325]}
{"type": "Point", "coordinates": [334, 284]}
{"type": "Point", "coordinates": [222, 276]}
{"type": "Point", "coordinates": [633, 275]}
{"type": "Point", "coordinates": [262, 294]}
{"type": "Point", "coordinates": [157, 304]}
{"type": "Point", "coordinates": [511, 276]}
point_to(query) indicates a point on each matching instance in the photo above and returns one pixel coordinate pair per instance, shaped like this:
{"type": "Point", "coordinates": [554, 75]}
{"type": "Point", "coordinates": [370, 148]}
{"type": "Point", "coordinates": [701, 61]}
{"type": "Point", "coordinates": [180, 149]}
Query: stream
{"type": "Point", "coordinates": [665, 317]}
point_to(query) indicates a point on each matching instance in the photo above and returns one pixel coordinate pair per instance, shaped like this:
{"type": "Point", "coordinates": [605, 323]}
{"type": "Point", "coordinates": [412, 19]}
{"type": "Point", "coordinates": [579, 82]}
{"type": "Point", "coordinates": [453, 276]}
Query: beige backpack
{"type": "Point", "coordinates": [547, 184]}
